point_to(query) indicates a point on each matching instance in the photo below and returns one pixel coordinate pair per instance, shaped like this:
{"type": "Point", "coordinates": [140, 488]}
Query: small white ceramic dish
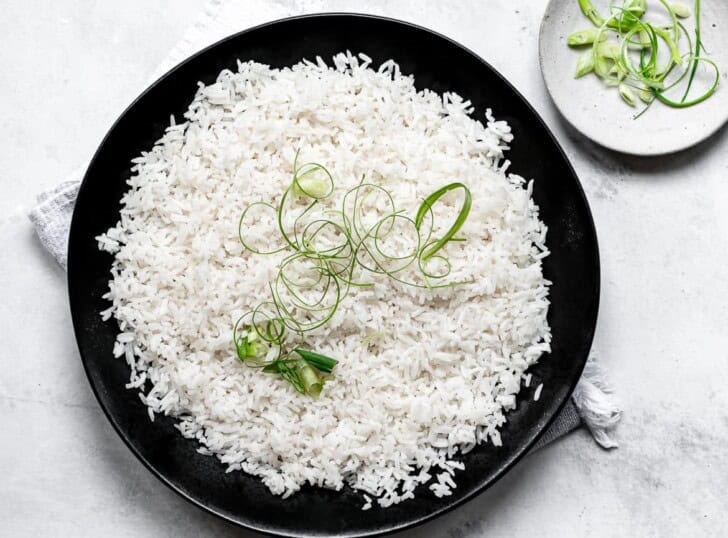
{"type": "Point", "coordinates": [598, 112]}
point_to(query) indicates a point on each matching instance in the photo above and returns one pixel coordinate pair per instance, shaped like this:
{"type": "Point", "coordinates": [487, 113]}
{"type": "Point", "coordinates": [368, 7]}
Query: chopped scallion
{"type": "Point", "coordinates": [334, 250]}
{"type": "Point", "coordinates": [615, 63]}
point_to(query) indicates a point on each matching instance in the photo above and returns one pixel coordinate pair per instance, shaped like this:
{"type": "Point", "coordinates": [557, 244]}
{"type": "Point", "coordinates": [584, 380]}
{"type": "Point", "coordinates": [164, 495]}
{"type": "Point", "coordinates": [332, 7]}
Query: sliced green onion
{"type": "Point", "coordinates": [247, 350]}
{"type": "Point", "coordinates": [257, 350]}
{"type": "Point", "coordinates": [631, 13]}
{"type": "Point", "coordinates": [603, 67]}
{"type": "Point", "coordinates": [585, 37]}
{"type": "Point", "coordinates": [318, 361]}
{"type": "Point", "coordinates": [312, 383]}
{"type": "Point", "coordinates": [680, 10]}
{"type": "Point", "coordinates": [646, 95]}
{"type": "Point", "coordinates": [588, 9]}
{"type": "Point", "coordinates": [312, 187]}
{"type": "Point", "coordinates": [627, 94]}
{"type": "Point", "coordinates": [609, 49]}
{"type": "Point", "coordinates": [650, 77]}
{"type": "Point", "coordinates": [313, 181]}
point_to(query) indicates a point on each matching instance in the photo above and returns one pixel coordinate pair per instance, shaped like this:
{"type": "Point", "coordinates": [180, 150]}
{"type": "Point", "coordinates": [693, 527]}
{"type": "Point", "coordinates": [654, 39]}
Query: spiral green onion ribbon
{"type": "Point", "coordinates": [613, 62]}
{"type": "Point", "coordinates": [328, 252]}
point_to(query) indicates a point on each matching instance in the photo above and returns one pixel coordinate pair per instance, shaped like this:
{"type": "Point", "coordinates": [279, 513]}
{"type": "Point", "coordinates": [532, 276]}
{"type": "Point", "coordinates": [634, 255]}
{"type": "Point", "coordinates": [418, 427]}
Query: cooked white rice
{"type": "Point", "coordinates": [537, 393]}
{"type": "Point", "coordinates": [446, 364]}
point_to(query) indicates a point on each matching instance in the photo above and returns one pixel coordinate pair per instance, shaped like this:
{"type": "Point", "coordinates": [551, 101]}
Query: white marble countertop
{"type": "Point", "coordinates": [69, 68]}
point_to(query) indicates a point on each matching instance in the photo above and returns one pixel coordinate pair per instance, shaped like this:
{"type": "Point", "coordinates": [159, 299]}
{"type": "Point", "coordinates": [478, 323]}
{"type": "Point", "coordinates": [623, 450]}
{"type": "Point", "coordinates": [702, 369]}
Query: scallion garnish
{"type": "Point", "coordinates": [328, 252]}
{"type": "Point", "coordinates": [615, 63]}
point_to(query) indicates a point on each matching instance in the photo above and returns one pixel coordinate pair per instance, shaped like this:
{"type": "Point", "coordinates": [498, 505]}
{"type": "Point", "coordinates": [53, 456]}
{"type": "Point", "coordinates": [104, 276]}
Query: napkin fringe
{"type": "Point", "coordinates": [596, 404]}
{"type": "Point", "coordinates": [51, 218]}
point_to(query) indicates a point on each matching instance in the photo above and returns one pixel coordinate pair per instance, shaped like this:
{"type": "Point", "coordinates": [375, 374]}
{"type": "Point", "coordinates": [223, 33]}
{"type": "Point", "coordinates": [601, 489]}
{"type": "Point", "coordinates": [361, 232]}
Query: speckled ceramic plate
{"type": "Point", "coordinates": [439, 64]}
{"type": "Point", "coordinates": [599, 113]}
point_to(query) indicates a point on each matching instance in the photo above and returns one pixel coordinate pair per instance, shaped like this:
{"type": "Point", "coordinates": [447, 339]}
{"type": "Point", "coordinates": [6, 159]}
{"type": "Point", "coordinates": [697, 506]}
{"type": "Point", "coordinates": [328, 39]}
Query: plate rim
{"type": "Point", "coordinates": [518, 454]}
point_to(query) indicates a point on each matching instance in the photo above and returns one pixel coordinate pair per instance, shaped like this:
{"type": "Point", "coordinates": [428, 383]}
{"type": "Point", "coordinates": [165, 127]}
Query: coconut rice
{"type": "Point", "coordinates": [423, 375]}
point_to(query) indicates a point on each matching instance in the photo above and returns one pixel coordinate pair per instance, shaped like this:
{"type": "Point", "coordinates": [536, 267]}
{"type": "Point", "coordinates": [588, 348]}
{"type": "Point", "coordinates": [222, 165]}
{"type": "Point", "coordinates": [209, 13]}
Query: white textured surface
{"type": "Point", "coordinates": [69, 68]}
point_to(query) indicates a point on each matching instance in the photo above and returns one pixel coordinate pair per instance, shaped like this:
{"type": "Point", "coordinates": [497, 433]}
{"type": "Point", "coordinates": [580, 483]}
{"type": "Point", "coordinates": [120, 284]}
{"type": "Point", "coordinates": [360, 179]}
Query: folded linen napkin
{"type": "Point", "coordinates": [592, 403]}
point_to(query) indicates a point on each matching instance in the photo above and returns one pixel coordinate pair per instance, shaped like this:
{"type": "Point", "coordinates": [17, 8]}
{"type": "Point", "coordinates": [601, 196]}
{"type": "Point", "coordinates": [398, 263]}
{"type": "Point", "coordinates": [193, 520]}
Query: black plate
{"type": "Point", "coordinates": [439, 64]}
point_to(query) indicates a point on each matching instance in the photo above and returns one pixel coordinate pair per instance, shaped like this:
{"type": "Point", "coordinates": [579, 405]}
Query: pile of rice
{"type": "Point", "coordinates": [445, 366]}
